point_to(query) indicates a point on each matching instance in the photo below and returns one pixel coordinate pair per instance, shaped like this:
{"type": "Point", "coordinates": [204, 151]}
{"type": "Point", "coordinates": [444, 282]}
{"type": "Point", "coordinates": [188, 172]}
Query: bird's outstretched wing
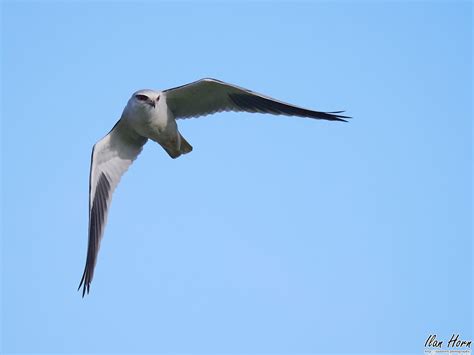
{"type": "Point", "coordinates": [111, 157]}
{"type": "Point", "coordinates": [208, 96]}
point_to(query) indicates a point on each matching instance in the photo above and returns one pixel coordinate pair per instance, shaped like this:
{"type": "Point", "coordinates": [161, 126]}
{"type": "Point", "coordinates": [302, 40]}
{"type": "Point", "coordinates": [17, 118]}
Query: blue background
{"type": "Point", "coordinates": [276, 234]}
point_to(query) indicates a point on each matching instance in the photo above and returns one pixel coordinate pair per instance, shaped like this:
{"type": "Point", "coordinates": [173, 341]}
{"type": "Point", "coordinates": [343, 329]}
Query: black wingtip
{"type": "Point", "coordinates": [257, 103]}
{"type": "Point", "coordinates": [335, 116]}
{"type": "Point", "coordinates": [85, 289]}
{"type": "Point", "coordinates": [339, 118]}
{"type": "Point", "coordinates": [85, 285]}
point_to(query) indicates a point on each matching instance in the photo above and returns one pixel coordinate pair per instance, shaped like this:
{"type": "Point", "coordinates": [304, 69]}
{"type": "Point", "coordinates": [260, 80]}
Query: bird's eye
{"type": "Point", "coordinates": [141, 97]}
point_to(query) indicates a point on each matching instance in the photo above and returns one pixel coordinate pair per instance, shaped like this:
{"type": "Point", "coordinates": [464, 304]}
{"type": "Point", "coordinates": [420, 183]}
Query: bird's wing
{"type": "Point", "coordinates": [208, 96]}
{"type": "Point", "coordinates": [111, 157]}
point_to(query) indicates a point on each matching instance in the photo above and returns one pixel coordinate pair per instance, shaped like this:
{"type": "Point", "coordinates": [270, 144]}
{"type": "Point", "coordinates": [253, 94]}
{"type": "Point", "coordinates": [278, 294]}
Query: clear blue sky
{"type": "Point", "coordinates": [276, 234]}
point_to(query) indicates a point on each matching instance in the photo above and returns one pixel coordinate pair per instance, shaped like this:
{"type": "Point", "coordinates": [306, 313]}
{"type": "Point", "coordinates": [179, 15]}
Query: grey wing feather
{"type": "Point", "coordinates": [208, 96]}
{"type": "Point", "coordinates": [110, 159]}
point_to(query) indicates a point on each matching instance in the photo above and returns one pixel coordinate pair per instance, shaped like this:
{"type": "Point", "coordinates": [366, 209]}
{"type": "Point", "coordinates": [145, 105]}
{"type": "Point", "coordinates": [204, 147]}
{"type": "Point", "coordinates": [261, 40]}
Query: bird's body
{"type": "Point", "coordinates": [153, 120]}
{"type": "Point", "coordinates": [152, 115]}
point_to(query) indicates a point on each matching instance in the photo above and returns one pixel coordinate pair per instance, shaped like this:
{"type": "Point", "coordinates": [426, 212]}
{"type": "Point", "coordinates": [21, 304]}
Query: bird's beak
{"type": "Point", "coordinates": [152, 103]}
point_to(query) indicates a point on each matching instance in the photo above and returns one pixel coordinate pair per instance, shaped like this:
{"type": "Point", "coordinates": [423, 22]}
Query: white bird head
{"type": "Point", "coordinates": [144, 99]}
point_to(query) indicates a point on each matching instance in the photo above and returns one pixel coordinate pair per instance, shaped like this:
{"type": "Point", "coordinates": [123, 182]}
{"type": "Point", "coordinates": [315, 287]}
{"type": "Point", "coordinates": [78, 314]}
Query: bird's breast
{"type": "Point", "coordinates": [152, 122]}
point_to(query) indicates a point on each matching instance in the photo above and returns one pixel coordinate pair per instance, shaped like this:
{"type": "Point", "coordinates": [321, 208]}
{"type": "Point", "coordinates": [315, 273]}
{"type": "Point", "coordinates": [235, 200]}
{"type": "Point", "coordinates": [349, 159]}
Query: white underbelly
{"type": "Point", "coordinates": [157, 124]}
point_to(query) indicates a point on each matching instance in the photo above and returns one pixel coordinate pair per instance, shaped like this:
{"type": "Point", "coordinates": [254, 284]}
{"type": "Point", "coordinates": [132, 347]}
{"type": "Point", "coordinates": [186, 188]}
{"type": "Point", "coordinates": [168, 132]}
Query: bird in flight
{"type": "Point", "coordinates": [152, 115]}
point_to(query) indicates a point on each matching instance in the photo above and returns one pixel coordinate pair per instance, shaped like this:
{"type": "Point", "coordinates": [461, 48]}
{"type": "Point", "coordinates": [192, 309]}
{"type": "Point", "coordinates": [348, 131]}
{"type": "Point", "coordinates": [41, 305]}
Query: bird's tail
{"type": "Point", "coordinates": [184, 148]}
